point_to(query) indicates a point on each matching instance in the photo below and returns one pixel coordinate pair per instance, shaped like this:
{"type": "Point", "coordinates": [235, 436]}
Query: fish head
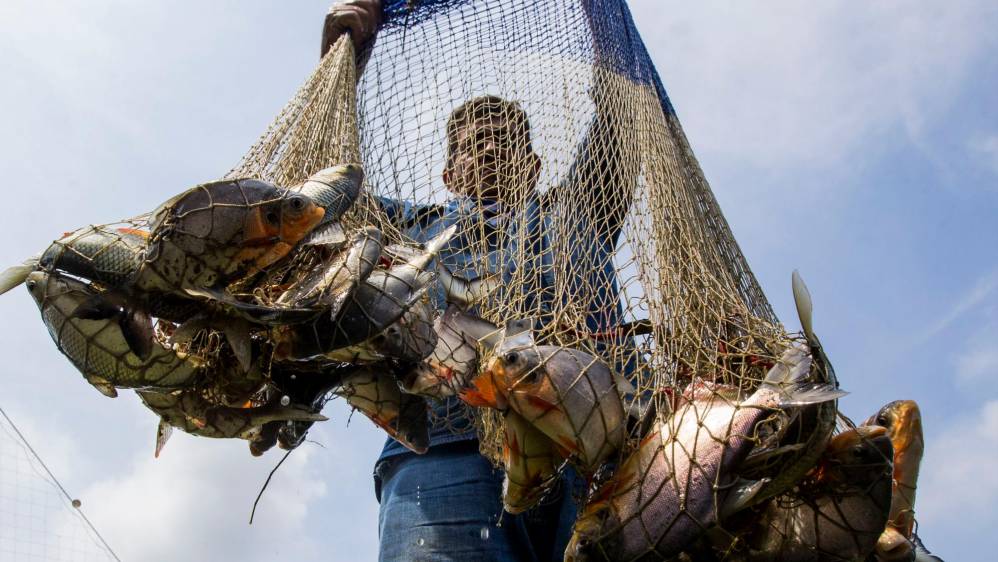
{"type": "Point", "coordinates": [37, 283]}
{"type": "Point", "coordinates": [903, 421]}
{"type": "Point", "coordinates": [859, 457]}
{"type": "Point", "coordinates": [298, 216]}
{"type": "Point", "coordinates": [335, 188]}
{"type": "Point", "coordinates": [429, 378]}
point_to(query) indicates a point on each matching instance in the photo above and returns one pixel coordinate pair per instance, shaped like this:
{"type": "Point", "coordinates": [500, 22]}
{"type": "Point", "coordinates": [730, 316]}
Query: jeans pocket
{"type": "Point", "coordinates": [382, 472]}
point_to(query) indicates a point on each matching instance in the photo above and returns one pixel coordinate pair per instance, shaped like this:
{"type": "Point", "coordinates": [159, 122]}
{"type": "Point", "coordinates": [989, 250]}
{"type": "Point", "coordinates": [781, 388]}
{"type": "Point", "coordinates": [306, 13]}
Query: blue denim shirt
{"type": "Point", "coordinates": [592, 248]}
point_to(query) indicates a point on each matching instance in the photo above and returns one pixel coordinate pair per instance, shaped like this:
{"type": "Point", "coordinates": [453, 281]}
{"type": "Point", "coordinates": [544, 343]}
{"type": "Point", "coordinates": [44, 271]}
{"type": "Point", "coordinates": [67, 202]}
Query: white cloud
{"type": "Point", "coordinates": [815, 82]}
{"type": "Point", "coordinates": [194, 501]}
{"type": "Point", "coordinates": [982, 289]}
{"type": "Point", "coordinates": [958, 485]}
{"type": "Point", "coordinates": [979, 364]}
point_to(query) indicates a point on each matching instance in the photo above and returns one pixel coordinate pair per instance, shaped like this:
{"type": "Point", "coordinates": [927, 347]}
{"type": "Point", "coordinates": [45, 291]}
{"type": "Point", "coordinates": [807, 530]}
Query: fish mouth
{"type": "Point", "coordinates": [482, 391]}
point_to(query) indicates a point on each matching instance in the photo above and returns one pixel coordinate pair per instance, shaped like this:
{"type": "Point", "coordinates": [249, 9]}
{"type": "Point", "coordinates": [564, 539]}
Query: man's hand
{"type": "Point", "coordinates": [359, 17]}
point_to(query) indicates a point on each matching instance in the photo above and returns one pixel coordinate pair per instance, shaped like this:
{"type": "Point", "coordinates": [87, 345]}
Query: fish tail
{"type": "Point", "coordinates": [789, 376]}
{"type": "Point", "coordinates": [287, 413]}
{"type": "Point", "coordinates": [440, 240]}
{"type": "Point", "coordinates": [15, 275]}
{"type": "Point", "coordinates": [802, 298]}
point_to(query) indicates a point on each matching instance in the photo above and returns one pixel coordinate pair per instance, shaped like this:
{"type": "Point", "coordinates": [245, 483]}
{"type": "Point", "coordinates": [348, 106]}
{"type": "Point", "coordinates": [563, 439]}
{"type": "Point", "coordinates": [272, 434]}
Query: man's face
{"type": "Point", "coordinates": [491, 159]}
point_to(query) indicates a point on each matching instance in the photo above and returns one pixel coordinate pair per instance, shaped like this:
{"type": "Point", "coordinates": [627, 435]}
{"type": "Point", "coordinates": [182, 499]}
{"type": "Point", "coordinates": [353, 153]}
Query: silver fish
{"type": "Point", "coordinates": [192, 413]}
{"type": "Point", "coordinates": [455, 357]}
{"type": "Point", "coordinates": [531, 463]}
{"type": "Point", "coordinates": [334, 189]}
{"type": "Point", "coordinates": [377, 396]}
{"type": "Point", "coordinates": [378, 302]}
{"type": "Point", "coordinates": [571, 396]}
{"type": "Point", "coordinates": [839, 514]}
{"type": "Point", "coordinates": [332, 283]}
{"type": "Point", "coordinates": [99, 348]}
{"type": "Point", "coordinates": [667, 492]}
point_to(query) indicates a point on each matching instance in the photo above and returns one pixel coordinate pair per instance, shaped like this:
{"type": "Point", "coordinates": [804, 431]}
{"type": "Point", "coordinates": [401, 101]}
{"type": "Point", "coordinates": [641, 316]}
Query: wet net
{"type": "Point", "coordinates": [535, 251]}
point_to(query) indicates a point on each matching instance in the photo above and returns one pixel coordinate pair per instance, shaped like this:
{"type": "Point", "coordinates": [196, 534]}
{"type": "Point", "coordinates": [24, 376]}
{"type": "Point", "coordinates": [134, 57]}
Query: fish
{"type": "Point", "coordinates": [17, 274]}
{"type": "Point", "coordinates": [191, 412]}
{"type": "Point", "coordinates": [464, 292]}
{"type": "Point", "coordinates": [571, 396]}
{"type": "Point", "coordinates": [378, 302]}
{"type": "Point", "coordinates": [98, 348]}
{"type": "Point", "coordinates": [308, 387]}
{"type": "Point", "coordinates": [840, 510]}
{"type": "Point", "coordinates": [455, 357]}
{"type": "Point", "coordinates": [903, 422]}
{"type": "Point", "coordinates": [808, 430]}
{"type": "Point", "coordinates": [216, 233]}
{"type": "Point", "coordinates": [377, 395]}
{"type": "Point", "coordinates": [665, 493]}
{"type": "Point", "coordinates": [531, 462]}
{"type": "Point", "coordinates": [332, 283]}
{"type": "Point", "coordinates": [102, 254]}
{"type": "Point", "coordinates": [892, 546]}
{"type": "Point", "coordinates": [334, 189]}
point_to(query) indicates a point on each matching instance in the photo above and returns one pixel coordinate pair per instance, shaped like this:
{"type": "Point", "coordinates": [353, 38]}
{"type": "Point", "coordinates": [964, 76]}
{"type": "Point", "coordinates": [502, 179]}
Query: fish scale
{"type": "Point", "coordinates": [97, 348]}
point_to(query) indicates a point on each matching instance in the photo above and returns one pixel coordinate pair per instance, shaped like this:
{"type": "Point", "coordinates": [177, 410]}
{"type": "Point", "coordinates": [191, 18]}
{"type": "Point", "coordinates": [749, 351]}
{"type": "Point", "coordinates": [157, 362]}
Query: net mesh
{"type": "Point", "coordinates": [37, 520]}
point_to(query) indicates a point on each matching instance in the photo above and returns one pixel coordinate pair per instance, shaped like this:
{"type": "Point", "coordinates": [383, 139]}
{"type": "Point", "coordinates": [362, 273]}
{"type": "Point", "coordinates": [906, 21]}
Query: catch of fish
{"type": "Point", "coordinates": [237, 308]}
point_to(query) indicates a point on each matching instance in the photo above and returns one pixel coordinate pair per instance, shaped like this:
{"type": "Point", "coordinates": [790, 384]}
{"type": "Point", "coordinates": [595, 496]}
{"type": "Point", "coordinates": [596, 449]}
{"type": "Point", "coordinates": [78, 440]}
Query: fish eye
{"type": "Point", "coordinates": [511, 357]}
{"type": "Point", "coordinates": [31, 284]}
{"type": "Point", "coordinates": [882, 420]}
{"type": "Point", "coordinates": [296, 203]}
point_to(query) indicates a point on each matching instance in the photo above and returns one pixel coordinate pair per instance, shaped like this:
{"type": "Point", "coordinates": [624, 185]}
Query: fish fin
{"type": "Point", "coordinates": [186, 331]}
{"type": "Point", "coordinates": [135, 232]}
{"type": "Point", "coordinates": [802, 298]}
{"type": "Point", "coordinates": [624, 386]}
{"type": "Point", "coordinates": [792, 367]}
{"type": "Point", "coordinates": [159, 213]}
{"type": "Point", "coordinates": [740, 496]}
{"type": "Point", "coordinates": [331, 234]}
{"type": "Point", "coordinates": [788, 376]}
{"type": "Point", "coordinates": [136, 327]}
{"type": "Point", "coordinates": [237, 333]}
{"type": "Point", "coordinates": [642, 415]}
{"type": "Point", "coordinates": [466, 292]}
{"type": "Point", "coordinates": [15, 275]}
{"type": "Point", "coordinates": [163, 433]}
{"type": "Point", "coordinates": [439, 241]}
{"type": "Point", "coordinates": [810, 393]}
{"type": "Point", "coordinates": [256, 313]}
{"type": "Point", "coordinates": [517, 334]}
{"type": "Point", "coordinates": [96, 307]}
{"type": "Point", "coordinates": [401, 252]}
{"type": "Point", "coordinates": [102, 385]}
{"type": "Point", "coordinates": [922, 554]}
{"type": "Point", "coordinates": [290, 413]}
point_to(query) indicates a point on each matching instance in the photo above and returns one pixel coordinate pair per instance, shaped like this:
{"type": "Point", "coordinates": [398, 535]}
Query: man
{"type": "Point", "coordinates": [446, 503]}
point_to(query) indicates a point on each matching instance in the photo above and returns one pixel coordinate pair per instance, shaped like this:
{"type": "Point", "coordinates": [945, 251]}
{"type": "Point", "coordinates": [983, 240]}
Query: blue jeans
{"type": "Point", "coordinates": [447, 505]}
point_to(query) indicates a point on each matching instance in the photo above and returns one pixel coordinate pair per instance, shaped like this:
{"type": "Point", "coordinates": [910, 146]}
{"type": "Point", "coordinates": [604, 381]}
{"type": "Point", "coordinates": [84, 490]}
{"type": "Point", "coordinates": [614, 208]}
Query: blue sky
{"type": "Point", "coordinates": [858, 147]}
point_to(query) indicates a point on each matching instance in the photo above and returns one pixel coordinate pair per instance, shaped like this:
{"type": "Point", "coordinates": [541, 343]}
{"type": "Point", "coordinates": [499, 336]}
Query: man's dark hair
{"type": "Point", "coordinates": [486, 106]}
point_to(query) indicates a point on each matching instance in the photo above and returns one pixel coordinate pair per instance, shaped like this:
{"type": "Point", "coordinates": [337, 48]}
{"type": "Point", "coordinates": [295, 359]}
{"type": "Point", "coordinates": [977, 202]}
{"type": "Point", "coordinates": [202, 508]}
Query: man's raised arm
{"type": "Point", "coordinates": [599, 175]}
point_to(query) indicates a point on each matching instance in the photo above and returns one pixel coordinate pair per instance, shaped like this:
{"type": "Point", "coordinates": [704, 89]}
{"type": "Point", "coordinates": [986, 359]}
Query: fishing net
{"type": "Point", "coordinates": [536, 238]}
{"type": "Point", "coordinates": [542, 133]}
